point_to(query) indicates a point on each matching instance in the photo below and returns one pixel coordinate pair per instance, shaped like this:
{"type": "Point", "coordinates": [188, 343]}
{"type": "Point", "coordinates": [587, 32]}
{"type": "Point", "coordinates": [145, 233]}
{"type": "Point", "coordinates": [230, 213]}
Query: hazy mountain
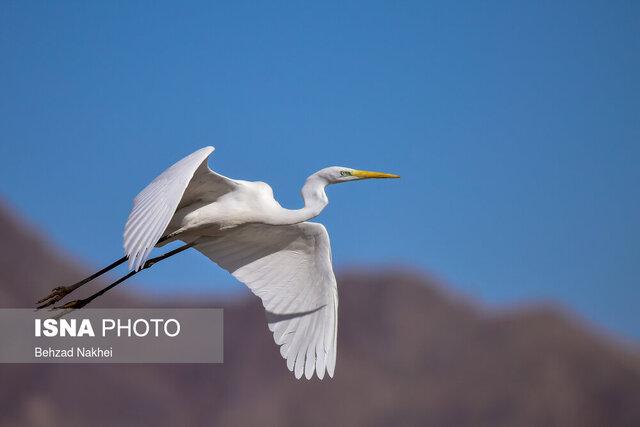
{"type": "Point", "coordinates": [408, 354]}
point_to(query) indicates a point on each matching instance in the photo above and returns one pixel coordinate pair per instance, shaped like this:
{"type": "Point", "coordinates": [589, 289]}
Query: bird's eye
{"type": "Point", "coordinates": [345, 173]}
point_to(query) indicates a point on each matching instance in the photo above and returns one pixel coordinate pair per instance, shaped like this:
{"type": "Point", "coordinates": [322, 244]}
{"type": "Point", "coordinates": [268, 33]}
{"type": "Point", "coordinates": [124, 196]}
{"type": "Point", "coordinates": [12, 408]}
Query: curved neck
{"type": "Point", "coordinates": [315, 200]}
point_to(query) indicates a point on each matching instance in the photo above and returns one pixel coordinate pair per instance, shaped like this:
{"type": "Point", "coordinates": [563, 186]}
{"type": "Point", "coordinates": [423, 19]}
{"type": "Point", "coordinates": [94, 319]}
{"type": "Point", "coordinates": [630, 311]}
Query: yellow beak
{"type": "Point", "coordinates": [368, 174]}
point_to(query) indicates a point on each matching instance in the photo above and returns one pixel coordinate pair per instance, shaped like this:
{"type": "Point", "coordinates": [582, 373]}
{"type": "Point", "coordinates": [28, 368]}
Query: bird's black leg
{"type": "Point", "coordinates": [62, 291]}
{"type": "Point", "coordinates": [82, 302]}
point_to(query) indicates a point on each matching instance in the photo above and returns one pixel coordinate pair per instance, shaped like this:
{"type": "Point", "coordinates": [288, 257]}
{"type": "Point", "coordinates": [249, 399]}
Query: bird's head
{"type": "Point", "coordinates": [337, 174]}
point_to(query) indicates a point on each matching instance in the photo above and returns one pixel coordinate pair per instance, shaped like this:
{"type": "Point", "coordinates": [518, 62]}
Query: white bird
{"type": "Point", "coordinates": [283, 259]}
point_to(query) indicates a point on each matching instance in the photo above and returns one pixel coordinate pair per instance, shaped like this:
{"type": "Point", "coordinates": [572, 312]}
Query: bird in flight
{"type": "Point", "coordinates": [283, 259]}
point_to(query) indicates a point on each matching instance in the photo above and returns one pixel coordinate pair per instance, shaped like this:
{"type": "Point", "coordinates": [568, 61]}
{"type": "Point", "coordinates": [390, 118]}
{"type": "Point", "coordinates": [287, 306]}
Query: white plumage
{"type": "Point", "coordinates": [289, 268]}
{"type": "Point", "coordinates": [282, 258]}
{"type": "Point", "coordinates": [154, 206]}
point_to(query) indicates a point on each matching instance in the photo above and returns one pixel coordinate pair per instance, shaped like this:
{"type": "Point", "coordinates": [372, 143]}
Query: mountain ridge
{"type": "Point", "coordinates": [409, 353]}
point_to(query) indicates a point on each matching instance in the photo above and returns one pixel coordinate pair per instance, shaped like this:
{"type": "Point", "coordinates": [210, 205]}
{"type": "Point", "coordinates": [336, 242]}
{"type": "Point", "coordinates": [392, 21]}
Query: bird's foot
{"type": "Point", "coordinates": [73, 305]}
{"type": "Point", "coordinates": [56, 295]}
{"type": "Point", "coordinates": [148, 263]}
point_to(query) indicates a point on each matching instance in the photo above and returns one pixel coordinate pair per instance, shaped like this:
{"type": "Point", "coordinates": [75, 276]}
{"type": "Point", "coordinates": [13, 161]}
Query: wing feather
{"type": "Point", "coordinates": [289, 268]}
{"type": "Point", "coordinates": [186, 181]}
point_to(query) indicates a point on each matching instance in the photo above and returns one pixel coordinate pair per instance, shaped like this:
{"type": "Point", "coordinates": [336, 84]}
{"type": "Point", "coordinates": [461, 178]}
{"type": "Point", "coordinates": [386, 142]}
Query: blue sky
{"type": "Point", "coordinates": [515, 128]}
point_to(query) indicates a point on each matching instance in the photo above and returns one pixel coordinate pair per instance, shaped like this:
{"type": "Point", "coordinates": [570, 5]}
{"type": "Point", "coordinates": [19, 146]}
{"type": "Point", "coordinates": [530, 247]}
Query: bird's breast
{"type": "Point", "coordinates": [249, 204]}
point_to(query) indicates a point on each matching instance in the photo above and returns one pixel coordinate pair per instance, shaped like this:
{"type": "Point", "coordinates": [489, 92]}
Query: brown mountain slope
{"type": "Point", "coordinates": [408, 354]}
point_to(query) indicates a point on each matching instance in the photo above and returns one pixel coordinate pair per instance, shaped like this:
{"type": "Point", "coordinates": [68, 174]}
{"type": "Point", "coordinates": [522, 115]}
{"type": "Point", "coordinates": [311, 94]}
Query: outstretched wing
{"type": "Point", "coordinates": [186, 181]}
{"type": "Point", "coordinates": [289, 268]}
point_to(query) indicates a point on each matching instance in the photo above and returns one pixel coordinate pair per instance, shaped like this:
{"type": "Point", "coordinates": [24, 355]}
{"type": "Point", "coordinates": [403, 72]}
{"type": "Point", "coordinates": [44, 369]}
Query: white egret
{"type": "Point", "coordinates": [282, 258]}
